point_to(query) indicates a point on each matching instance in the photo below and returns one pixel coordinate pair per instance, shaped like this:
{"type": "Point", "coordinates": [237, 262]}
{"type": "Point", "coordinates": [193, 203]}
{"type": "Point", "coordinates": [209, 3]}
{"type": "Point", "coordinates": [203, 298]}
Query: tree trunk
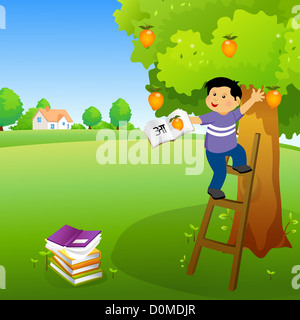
{"type": "Point", "coordinates": [118, 128]}
{"type": "Point", "coordinates": [264, 230]}
{"type": "Point", "coordinates": [1, 129]}
{"type": "Point", "coordinates": [90, 128]}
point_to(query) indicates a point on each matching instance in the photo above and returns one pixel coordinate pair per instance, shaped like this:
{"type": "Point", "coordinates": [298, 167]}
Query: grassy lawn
{"type": "Point", "coordinates": [24, 138]}
{"type": "Point", "coordinates": [143, 212]}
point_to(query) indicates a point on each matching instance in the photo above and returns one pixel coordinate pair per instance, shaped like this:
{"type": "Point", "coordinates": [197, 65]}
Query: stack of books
{"type": "Point", "coordinates": [75, 256]}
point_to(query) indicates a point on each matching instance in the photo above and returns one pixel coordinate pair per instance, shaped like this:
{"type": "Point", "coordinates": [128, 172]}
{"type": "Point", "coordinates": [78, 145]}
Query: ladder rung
{"type": "Point", "coordinates": [229, 204]}
{"type": "Point", "coordinates": [219, 246]}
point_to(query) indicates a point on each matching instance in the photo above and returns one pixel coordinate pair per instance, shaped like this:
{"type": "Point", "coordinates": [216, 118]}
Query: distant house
{"type": "Point", "coordinates": [51, 119]}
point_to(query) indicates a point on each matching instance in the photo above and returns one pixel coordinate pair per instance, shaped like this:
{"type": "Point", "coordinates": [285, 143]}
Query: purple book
{"type": "Point", "coordinates": [73, 238]}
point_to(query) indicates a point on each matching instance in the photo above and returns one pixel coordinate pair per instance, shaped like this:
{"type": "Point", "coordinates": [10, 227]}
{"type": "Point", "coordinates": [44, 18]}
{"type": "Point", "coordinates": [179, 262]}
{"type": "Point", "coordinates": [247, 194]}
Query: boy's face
{"type": "Point", "coordinates": [220, 100]}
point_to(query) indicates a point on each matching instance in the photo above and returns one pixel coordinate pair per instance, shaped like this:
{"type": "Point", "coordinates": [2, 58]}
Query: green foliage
{"type": "Point", "coordinates": [271, 273]}
{"type": "Point", "coordinates": [193, 227]}
{"type": "Point", "coordinates": [11, 107]}
{"type": "Point", "coordinates": [191, 62]}
{"type": "Point", "coordinates": [289, 113]}
{"type": "Point", "coordinates": [188, 236]}
{"type": "Point", "coordinates": [78, 126]}
{"type": "Point", "coordinates": [167, 18]}
{"type": "Point", "coordinates": [120, 112]}
{"type": "Point", "coordinates": [103, 125]}
{"type": "Point", "coordinates": [25, 121]}
{"type": "Point", "coordinates": [113, 272]}
{"type": "Point", "coordinates": [225, 228]}
{"type": "Point", "coordinates": [42, 104]}
{"type": "Point", "coordinates": [130, 11]}
{"type": "Point", "coordinates": [194, 230]}
{"type": "Point", "coordinates": [128, 127]}
{"type": "Point", "coordinates": [91, 117]}
{"type": "Point", "coordinates": [192, 104]}
{"type": "Point", "coordinates": [34, 262]}
{"type": "Point", "coordinates": [225, 216]}
{"type": "Point", "coordinates": [292, 221]}
{"type": "Point", "coordinates": [290, 59]}
{"type": "Point", "coordinates": [46, 254]}
{"type": "Point", "coordinates": [265, 54]}
{"type": "Point", "coordinates": [184, 263]}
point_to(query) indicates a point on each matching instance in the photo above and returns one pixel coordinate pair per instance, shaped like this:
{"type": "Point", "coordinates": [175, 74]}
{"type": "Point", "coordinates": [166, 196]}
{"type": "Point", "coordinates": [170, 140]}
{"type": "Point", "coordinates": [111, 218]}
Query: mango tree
{"type": "Point", "coordinates": [187, 53]}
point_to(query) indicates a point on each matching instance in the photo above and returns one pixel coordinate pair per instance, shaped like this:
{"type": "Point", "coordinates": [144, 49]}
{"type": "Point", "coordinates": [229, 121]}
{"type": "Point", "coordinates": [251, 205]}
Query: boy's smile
{"type": "Point", "coordinates": [220, 100]}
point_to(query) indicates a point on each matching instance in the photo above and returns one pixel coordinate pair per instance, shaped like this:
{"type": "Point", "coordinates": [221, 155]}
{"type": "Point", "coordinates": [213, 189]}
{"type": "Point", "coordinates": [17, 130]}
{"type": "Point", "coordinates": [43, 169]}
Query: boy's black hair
{"type": "Point", "coordinates": [236, 90]}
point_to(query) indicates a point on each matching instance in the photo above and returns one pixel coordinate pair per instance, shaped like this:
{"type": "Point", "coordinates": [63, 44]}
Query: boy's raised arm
{"type": "Point", "coordinates": [195, 120]}
{"type": "Point", "coordinates": [257, 96]}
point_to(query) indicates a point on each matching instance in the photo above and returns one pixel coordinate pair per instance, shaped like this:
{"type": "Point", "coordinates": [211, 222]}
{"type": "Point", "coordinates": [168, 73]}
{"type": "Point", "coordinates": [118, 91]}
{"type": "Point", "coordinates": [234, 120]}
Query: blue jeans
{"type": "Point", "coordinates": [217, 161]}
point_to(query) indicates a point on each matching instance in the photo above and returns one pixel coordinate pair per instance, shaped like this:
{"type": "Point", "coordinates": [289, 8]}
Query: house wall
{"type": "Point", "coordinates": [64, 127]}
{"type": "Point", "coordinates": [43, 125]}
{"type": "Point", "coordinates": [55, 125]}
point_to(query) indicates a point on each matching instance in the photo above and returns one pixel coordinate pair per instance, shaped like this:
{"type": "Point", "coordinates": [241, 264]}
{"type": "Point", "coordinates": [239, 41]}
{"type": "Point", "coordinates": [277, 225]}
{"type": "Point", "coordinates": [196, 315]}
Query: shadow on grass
{"type": "Point", "coordinates": [151, 249]}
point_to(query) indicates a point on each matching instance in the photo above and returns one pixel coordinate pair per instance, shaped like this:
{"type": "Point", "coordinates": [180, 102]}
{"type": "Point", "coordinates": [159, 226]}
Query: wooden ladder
{"type": "Point", "coordinates": [242, 207]}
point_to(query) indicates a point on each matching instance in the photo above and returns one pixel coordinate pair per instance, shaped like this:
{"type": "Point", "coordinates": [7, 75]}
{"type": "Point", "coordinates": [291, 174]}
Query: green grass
{"type": "Point", "coordinates": [26, 138]}
{"type": "Point", "coordinates": [143, 212]}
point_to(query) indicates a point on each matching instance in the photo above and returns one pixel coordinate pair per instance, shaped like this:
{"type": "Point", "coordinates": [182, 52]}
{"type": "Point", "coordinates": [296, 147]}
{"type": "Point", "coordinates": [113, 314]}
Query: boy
{"type": "Point", "coordinates": [224, 96]}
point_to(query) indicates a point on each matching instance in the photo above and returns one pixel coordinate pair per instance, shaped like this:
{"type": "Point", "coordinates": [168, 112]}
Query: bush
{"type": "Point", "coordinates": [25, 121]}
{"type": "Point", "coordinates": [103, 125]}
{"type": "Point", "coordinates": [130, 127]}
{"type": "Point", "coordinates": [109, 126]}
{"type": "Point", "coordinates": [78, 126]}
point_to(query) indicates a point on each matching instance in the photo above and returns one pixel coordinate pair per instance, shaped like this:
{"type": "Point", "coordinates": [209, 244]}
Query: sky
{"type": "Point", "coordinates": [72, 54]}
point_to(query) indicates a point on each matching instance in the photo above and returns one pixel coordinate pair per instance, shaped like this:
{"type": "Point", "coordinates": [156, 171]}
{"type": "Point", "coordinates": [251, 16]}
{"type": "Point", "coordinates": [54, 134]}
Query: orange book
{"type": "Point", "coordinates": [95, 254]}
{"type": "Point", "coordinates": [80, 270]}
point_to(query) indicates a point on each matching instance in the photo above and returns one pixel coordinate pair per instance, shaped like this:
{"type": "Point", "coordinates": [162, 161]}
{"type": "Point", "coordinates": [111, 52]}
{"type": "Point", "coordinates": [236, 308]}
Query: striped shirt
{"type": "Point", "coordinates": [221, 130]}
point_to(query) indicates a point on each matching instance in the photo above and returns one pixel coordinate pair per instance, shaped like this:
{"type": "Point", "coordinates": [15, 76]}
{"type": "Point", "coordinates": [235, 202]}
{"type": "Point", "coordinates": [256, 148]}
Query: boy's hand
{"type": "Point", "coordinates": [257, 96]}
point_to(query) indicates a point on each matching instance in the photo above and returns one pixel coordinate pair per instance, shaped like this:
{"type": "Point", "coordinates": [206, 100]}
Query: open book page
{"type": "Point", "coordinates": [183, 125]}
{"type": "Point", "coordinates": [158, 132]}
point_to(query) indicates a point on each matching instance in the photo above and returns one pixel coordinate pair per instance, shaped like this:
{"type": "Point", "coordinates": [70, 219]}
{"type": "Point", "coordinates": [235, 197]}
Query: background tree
{"type": "Point", "coordinates": [43, 103]}
{"type": "Point", "coordinates": [91, 117]}
{"type": "Point", "coordinates": [11, 107]}
{"type": "Point", "coordinates": [25, 121]}
{"type": "Point", "coordinates": [188, 52]}
{"type": "Point", "coordinates": [120, 112]}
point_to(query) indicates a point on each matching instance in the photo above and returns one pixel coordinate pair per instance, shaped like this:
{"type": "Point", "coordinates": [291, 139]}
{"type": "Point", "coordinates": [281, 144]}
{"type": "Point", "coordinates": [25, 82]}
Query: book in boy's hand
{"type": "Point", "coordinates": [174, 126]}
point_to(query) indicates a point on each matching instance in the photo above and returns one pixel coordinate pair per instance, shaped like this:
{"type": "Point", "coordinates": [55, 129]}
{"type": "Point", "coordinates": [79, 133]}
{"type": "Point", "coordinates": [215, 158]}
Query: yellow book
{"type": "Point", "coordinates": [95, 254]}
{"type": "Point", "coordinates": [77, 271]}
